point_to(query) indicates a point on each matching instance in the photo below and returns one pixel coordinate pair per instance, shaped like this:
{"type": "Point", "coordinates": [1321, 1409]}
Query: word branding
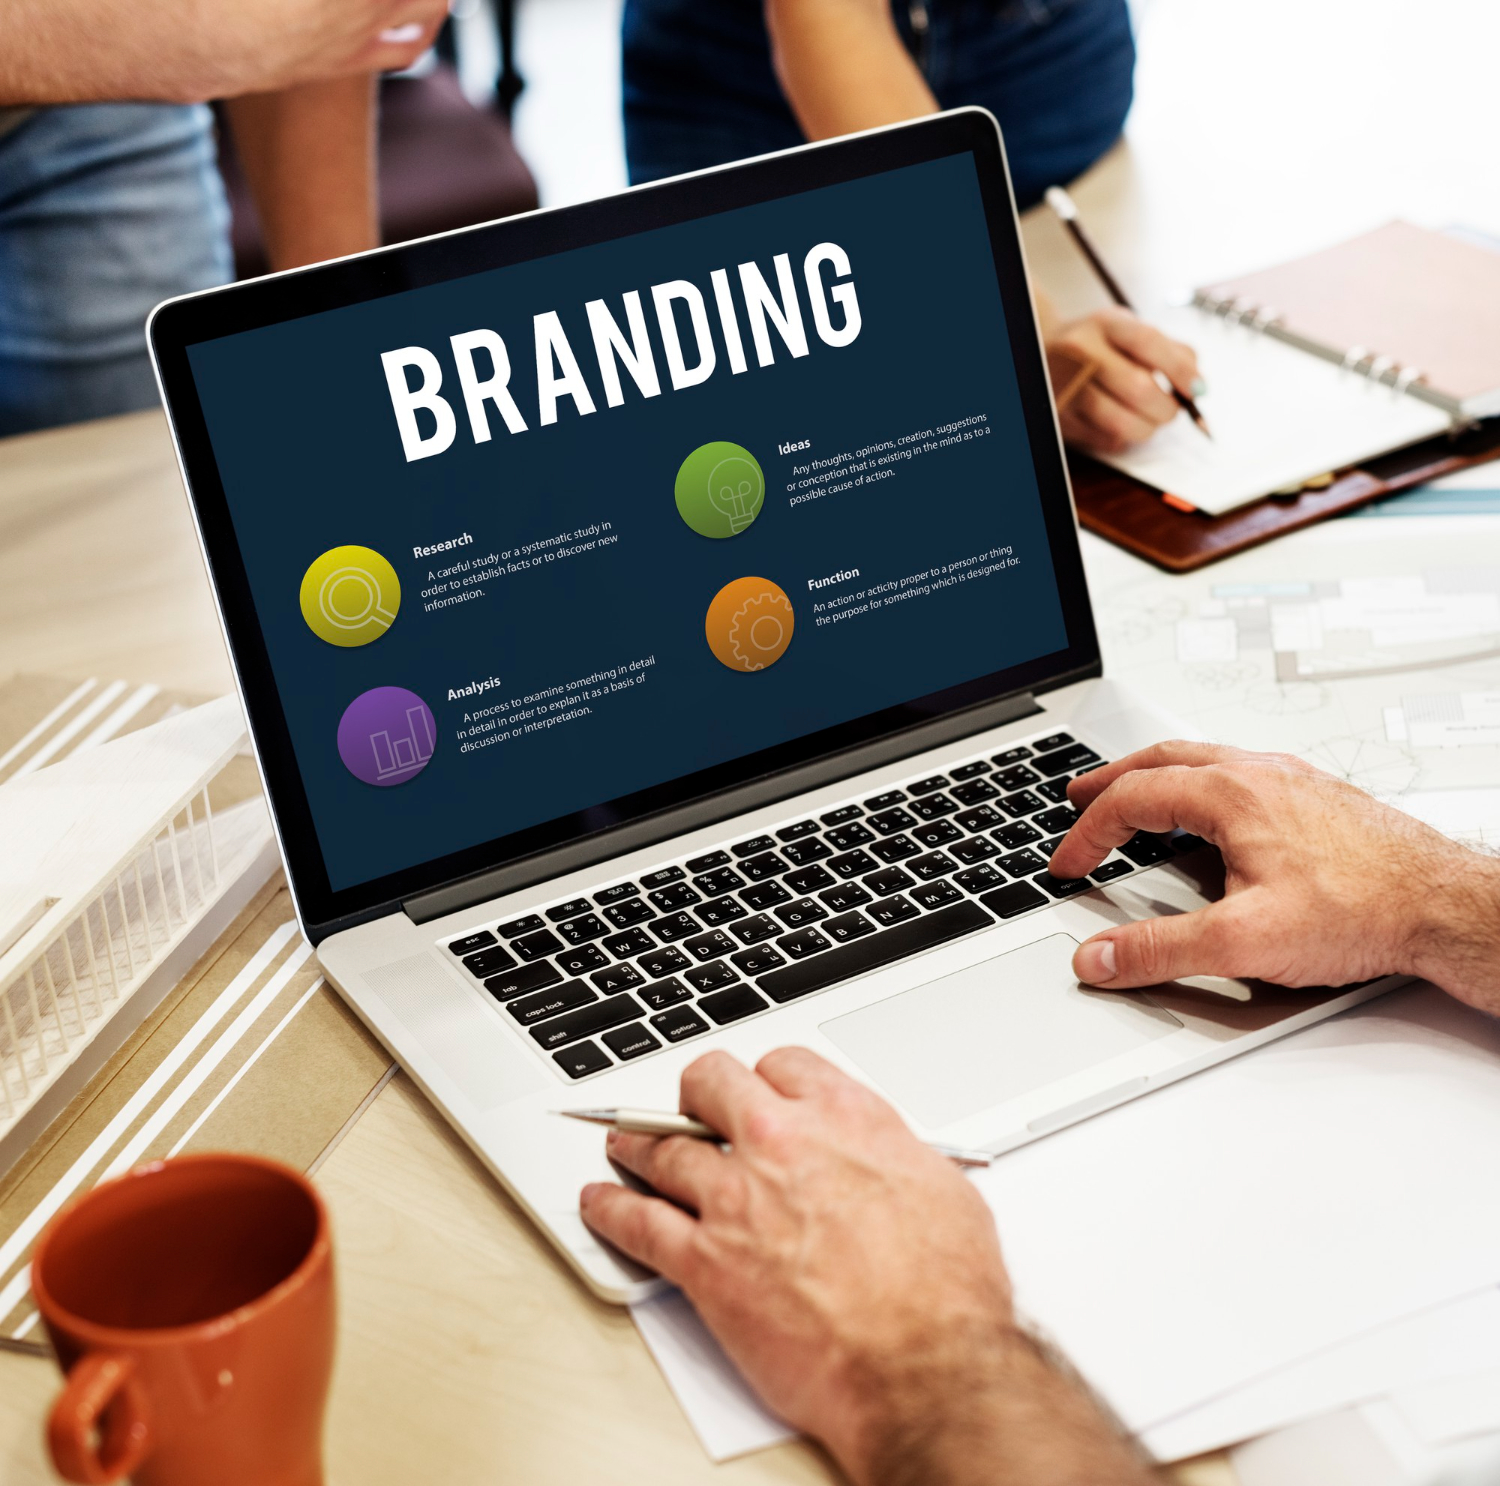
{"type": "Point", "coordinates": [688, 348]}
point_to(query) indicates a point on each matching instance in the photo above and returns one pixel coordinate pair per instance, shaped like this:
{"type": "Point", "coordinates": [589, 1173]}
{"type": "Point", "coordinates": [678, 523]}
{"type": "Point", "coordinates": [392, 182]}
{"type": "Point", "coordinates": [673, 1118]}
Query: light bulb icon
{"type": "Point", "coordinates": [736, 489]}
{"type": "Point", "coordinates": [720, 490]}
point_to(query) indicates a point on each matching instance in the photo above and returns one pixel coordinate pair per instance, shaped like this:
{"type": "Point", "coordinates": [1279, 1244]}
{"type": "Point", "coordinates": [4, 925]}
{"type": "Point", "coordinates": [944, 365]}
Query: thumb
{"type": "Point", "coordinates": [1153, 950]}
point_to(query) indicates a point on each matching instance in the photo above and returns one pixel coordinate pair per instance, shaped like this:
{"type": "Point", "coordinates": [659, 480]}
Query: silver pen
{"type": "Point", "coordinates": [659, 1122]}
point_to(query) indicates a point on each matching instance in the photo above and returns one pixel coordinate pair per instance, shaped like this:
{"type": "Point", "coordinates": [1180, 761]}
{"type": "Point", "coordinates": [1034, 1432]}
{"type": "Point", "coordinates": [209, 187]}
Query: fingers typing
{"type": "Point", "coordinates": [1180, 751]}
{"type": "Point", "coordinates": [1155, 800]}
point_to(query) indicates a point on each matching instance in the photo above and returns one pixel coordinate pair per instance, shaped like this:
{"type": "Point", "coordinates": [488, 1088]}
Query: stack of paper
{"type": "Point", "coordinates": [1304, 1244]}
{"type": "Point", "coordinates": [1372, 1445]}
{"type": "Point", "coordinates": [1310, 1226]}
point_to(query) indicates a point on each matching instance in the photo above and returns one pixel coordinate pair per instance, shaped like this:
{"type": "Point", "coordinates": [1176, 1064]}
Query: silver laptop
{"type": "Point", "coordinates": [662, 627]}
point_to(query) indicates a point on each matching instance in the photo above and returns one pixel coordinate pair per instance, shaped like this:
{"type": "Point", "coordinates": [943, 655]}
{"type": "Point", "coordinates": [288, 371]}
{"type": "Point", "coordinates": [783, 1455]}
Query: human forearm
{"type": "Point", "coordinates": [188, 51]}
{"type": "Point", "coordinates": [309, 155]}
{"type": "Point", "coordinates": [76, 51]}
{"type": "Point", "coordinates": [843, 66]}
{"type": "Point", "coordinates": [1456, 940]}
{"type": "Point", "coordinates": [1009, 1417]}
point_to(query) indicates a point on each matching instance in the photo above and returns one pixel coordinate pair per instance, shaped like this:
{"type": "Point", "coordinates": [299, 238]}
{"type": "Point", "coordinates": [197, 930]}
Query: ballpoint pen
{"type": "Point", "coordinates": [1067, 213]}
{"type": "Point", "coordinates": [654, 1122]}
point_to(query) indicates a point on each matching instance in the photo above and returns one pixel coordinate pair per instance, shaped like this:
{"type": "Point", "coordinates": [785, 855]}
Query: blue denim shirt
{"type": "Point", "coordinates": [700, 89]}
{"type": "Point", "coordinates": [105, 209]}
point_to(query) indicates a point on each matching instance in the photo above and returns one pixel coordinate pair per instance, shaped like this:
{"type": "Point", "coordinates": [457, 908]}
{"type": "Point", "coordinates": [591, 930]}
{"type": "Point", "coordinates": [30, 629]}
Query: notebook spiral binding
{"type": "Point", "coordinates": [1360, 360]}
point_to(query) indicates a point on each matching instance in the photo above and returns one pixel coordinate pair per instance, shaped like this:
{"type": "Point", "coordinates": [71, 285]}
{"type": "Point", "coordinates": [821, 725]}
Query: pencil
{"type": "Point", "coordinates": [1067, 214]}
{"type": "Point", "coordinates": [653, 1122]}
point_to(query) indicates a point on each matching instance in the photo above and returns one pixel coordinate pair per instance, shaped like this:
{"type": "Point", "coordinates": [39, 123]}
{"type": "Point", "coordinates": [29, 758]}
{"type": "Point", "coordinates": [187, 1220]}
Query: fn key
{"type": "Point", "coordinates": [582, 1059]}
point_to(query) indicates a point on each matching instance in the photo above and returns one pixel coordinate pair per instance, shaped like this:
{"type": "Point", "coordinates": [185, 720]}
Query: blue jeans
{"type": "Point", "coordinates": [105, 210]}
{"type": "Point", "coordinates": [700, 89]}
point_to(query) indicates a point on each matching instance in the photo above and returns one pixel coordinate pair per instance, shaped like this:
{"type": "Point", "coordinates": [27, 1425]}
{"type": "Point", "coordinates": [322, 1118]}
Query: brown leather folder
{"type": "Point", "coordinates": [1135, 516]}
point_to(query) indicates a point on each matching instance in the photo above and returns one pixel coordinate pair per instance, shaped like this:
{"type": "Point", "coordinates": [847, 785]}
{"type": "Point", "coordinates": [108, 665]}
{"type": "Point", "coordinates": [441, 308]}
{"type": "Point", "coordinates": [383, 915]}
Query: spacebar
{"type": "Point", "coordinates": [875, 950]}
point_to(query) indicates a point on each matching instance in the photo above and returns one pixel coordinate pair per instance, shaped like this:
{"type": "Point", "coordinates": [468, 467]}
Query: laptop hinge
{"type": "Point", "coordinates": [456, 896]}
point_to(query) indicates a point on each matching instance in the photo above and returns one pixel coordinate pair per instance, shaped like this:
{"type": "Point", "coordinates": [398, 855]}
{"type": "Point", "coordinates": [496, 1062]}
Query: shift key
{"type": "Point", "coordinates": [612, 1011]}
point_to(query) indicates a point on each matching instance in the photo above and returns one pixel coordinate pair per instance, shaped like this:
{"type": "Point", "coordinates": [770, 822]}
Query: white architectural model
{"type": "Point", "coordinates": [115, 876]}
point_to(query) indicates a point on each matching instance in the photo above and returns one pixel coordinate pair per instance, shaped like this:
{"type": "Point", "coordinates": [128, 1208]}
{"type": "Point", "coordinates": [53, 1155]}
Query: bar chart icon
{"type": "Point", "coordinates": [387, 736]}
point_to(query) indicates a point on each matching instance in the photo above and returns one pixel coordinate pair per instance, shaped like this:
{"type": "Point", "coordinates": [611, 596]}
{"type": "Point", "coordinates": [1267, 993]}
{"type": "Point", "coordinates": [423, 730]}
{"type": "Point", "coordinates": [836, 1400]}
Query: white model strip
{"type": "Point", "coordinates": [64, 706]}
{"type": "Point", "coordinates": [122, 714]}
{"type": "Point", "coordinates": [246, 1066]}
{"type": "Point", "coordinates": [20, 1283]}
{"type": "Point", "coordinates": [172, 1105]}
{"type": "Point", "coordinates": [42, 1214]}
{"type": "Point", "coordinates": [64, 736]}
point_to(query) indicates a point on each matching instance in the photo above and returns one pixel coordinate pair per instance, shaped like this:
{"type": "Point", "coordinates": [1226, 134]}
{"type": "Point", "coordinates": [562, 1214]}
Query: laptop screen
{"type": "Point", "coordinates": [537, 546]}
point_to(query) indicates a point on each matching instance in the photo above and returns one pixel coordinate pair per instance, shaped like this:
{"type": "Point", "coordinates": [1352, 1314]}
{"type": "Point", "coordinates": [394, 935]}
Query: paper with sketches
{"type": "Point", "coordinates": [725, 1414]}
{"type": "Point", "coordinates": [1370, 648]}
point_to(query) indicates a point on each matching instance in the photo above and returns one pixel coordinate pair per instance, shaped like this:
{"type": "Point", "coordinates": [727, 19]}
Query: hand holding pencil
{"type": "Point", "coordinates": [1140, 377]}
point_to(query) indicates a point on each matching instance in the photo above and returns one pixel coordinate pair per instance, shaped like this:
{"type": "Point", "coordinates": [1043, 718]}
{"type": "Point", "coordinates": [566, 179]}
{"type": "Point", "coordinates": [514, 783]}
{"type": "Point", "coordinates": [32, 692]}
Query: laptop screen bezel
{"type": "Point", "coordinates": [182, 323]}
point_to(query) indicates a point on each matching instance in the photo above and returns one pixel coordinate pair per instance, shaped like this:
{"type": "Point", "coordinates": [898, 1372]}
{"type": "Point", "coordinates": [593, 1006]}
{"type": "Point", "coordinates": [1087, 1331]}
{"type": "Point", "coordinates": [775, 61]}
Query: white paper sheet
{"type": "Point", "coordinates": [1450, 1409]}
{"type": "Point", "coordinates": [1222, 1228]}
{"type": "Point", "coordinates": [725, 1414]}
{"type": "Point", "coordinates": [1460, 1338]}
{"type": "Point", "coordinates": [1279, 416]}
{"type": "Point", "coordinates": [1332, 1450]}
{"type": "Point", "coordinates": [1367, 1446]}
{"type": "Point", "coordinates": [1227, 1228]}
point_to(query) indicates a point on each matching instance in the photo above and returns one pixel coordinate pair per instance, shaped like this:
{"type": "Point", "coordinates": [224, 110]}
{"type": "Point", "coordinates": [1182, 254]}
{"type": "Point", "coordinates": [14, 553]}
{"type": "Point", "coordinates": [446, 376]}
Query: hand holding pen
{"type": "Point", "coordinates": [1136, 378]}
{"type": "Point", "coordinates": [661, 1122]}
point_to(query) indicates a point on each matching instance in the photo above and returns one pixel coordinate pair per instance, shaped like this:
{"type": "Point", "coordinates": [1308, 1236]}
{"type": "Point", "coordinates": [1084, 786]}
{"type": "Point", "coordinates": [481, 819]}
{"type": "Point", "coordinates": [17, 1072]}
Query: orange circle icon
{"type": "Point", "coordinates": [749, 624]}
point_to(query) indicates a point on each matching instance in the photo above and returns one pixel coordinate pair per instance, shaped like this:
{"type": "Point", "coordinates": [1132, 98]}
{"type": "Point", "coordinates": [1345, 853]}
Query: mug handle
{"type": "Point", "coordinates": [98, 1431]}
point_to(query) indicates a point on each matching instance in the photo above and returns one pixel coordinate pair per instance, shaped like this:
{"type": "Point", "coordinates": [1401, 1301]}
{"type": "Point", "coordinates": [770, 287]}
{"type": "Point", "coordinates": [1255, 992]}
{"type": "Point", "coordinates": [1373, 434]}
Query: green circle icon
{"type": "Point", "coordinates": [720, 490]}
{"type": "Point", "coordinates": [350, 596]}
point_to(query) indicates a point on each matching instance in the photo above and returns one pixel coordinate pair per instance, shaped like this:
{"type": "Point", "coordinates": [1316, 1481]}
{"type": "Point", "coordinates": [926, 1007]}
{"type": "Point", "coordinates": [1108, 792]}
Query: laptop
{"type": "Point", "coordinates": [662, 627]}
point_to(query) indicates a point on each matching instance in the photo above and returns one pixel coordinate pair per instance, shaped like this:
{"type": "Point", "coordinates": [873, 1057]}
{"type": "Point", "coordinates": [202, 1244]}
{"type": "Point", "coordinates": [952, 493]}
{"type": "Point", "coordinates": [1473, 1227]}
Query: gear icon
{"type": "Point", "coordinates": [749, 624]}
{"type": "Point", "coordinates": [759, 630]}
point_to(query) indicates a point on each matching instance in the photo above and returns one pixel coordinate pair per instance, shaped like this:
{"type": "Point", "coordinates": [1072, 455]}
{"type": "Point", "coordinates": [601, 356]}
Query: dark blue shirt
{"type": "Point", "coordinates": [700, 88]}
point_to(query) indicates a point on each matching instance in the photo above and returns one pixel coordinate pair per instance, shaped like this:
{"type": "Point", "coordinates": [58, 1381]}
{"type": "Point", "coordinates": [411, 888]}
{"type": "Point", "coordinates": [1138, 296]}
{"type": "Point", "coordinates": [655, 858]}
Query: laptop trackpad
{"type": "Point", "coordinates": [958, 1045]}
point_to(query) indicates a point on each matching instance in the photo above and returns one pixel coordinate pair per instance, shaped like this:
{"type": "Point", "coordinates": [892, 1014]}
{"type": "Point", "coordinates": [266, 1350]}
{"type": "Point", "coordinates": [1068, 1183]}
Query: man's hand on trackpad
{"type": "Point", "coordinates": [1323, 885]}
{"type": "Point", "coordinates": [855, 1277]}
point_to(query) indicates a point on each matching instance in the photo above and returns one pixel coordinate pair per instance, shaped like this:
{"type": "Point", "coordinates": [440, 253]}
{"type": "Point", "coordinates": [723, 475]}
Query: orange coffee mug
{"type": "Point", "coordinates": [190, 1304]}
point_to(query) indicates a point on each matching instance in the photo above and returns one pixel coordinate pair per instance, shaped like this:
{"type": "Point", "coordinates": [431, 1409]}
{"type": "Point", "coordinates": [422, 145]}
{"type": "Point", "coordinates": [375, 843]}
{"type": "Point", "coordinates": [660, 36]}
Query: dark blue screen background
{"type": "Point", "coordinates": [308, 451]}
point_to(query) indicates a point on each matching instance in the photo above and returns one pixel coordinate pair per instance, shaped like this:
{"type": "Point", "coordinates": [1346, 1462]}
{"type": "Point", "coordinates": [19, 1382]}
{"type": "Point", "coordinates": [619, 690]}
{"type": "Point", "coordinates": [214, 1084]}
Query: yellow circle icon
{"type": "Point", "coordinates": [749, 624]}
{"type": "Point", "coordinates": [350, 596]}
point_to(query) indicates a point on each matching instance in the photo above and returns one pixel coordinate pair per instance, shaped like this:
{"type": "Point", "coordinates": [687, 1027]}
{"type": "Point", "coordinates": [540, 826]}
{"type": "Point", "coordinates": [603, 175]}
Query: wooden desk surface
{"type": "Point", "coordinates": [463, 1338]}
{"type": "Point", "coordinates": [1262, 128]}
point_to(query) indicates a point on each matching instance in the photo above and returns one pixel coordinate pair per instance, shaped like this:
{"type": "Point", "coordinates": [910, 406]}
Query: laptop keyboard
{"type": "Point", "coordinates": [709, 940]}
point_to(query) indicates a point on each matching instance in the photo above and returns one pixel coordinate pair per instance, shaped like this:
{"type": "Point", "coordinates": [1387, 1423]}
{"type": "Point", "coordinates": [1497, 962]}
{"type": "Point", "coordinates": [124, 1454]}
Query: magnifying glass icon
{"type": "Point", "coordinates": [349, 598]}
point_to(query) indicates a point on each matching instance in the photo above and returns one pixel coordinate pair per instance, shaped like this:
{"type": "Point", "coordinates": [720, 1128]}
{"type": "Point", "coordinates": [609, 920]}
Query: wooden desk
{"type": "Point", "coordinates": [463, 1339]}
{"type": "Point", "coordinates": [1263, 127]}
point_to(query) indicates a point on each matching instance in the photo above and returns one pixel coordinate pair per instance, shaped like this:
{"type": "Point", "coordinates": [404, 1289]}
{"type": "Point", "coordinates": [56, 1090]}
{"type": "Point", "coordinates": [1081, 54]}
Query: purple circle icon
{"type": "Point", "coordinates": [387, 735]}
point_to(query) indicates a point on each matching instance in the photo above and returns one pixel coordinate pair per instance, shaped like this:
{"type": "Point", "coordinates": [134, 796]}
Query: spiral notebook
{"type": "Point", "coordinates": [1326, 362]}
